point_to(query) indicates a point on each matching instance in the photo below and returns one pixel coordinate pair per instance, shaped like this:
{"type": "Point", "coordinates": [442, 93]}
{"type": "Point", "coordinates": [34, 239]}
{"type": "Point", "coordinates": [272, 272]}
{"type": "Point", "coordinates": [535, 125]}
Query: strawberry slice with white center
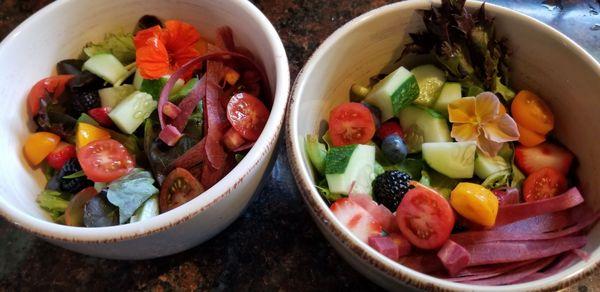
{"type": "Point", "coordinates": [57, 158]}
{"type": "Point", "coordinates": [356, 218]}
{"type": "Point", "coordinates": [380, 213]}
{"type": "Point", "coordinates": [532, 159]}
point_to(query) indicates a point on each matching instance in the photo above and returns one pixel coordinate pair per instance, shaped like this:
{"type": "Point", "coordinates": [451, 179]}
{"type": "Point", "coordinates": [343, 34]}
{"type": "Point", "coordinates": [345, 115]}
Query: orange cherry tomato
{"type": "Point", "coordinates": [39, 145]}
{"type": "Point", "coordinates": [475, 203]}
{"type": "Point", "coordinates": [530, 138]}
{"type": "Point", "coordinates": [531, 112]}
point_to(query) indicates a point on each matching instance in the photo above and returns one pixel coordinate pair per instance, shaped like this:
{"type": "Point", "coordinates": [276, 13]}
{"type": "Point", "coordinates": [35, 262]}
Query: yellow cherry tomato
{"type": "Point", "coordinates": [87, 133]}
{"type": "Point", "coordinates": [475, 203]}
{"type": "Point", "coordinates": [39, 145]}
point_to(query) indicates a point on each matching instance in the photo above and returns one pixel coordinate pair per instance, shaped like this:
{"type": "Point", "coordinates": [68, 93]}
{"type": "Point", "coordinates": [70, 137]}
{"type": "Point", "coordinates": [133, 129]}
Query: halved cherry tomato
{"type": "Point", "coordinates": [543, 184]}
{"type": "Point", "coordinates": [351, 123]}
{"type": "Point", "coordinates": [39, 145]}
{"type": "Point", "coordinates": [475, 203]}
{"type": "Point", "coordinates": [100, 114]}
{"type": "Point", "coordinates": [425, 218]}
{"type": "Point", "coordinates": [179, 187]}
{"type": "Point", "coordinates": [531, 112]}
{"type": "Point", "coordinates": [247, 115]}
{"type": "Point", "coordinates": [529, 138]}
{"type": "Point", "coordinates": [74, 211]}
{"type": "Point", "coordinates": [54, 86]}
{"type": "Point", "coordinates": [232, 139]}
{"type": "Point", "coordinates": [105, 160]}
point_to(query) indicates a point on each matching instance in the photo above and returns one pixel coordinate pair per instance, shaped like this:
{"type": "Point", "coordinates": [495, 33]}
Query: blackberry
{"type": "Point", "coordinates": [72, 185]}
{"type": "Point", "coordinates": [390, 187]}
{"type": "Point", "coordinates": [83, 101]}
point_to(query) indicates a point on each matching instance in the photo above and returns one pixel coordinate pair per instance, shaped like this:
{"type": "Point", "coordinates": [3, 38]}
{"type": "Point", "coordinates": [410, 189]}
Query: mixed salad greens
{"type": "Point", "coordinates": [448, 171]}
{"type": "Point", "coordinates": [143, 122]}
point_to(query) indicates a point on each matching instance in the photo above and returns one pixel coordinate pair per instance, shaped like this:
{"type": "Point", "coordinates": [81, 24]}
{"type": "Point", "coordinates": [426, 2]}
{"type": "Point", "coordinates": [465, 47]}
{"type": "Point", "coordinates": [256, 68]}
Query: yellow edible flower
{"type": "Point", "coordinates": [482, 119]}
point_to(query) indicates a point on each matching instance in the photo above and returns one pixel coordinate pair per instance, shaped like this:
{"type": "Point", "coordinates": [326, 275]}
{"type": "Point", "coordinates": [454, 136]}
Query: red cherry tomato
{"type": "Point", "coordinates": [425, 218]}
{"type": "Point", "coordinates": [544, 184]}
{"type": "Point", "coordinates": [179, 187]}
{"type": "Point", "coordinates": [351, 123]}
{"type": "Point", "coordinates": [52, 86]}
{"type": "Point", "coordinates": [389, 128]}
{"type": "Point", "coordinates": [247, 115]}
{"type": "Point", "coordinates": [105, 160]}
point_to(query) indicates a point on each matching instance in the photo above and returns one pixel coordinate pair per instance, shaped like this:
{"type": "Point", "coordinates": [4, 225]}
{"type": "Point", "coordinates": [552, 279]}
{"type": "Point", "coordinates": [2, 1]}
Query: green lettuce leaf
{"type": "Point", "coordinates": [55, 203]}
{"type": "Point", "coordinates": [119, 44]}
{"type": "Point", "coordinates": [130, 191]}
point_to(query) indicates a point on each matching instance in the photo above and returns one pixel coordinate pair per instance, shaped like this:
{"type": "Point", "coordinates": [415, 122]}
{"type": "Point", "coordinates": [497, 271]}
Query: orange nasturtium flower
{"type": "Point", "coordinates": [482, 119]}
{"type": "Point", "coordinates": [161, 51]}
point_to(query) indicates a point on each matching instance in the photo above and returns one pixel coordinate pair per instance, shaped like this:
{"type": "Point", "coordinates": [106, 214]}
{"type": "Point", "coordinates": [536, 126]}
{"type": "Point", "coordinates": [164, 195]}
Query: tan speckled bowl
{"type": "Point", "coordinates": [59, 31]}
{"type": "Point", "coordinates": [544, 61]}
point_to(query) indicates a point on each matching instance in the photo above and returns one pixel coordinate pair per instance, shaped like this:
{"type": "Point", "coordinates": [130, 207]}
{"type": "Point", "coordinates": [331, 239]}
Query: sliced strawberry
{"type": "Point", "coordinates": [355, 218]}
{"type": "Point", "coordinates": [63, 152]}
{"type": "Point", "coordinates": [100, 114]}
{"type": "Point", "coordinates": [389, 128]}
{"type": "Point", "coordinates": [380, 213]}
{"type": "Point", "coordinates": [532, 159]}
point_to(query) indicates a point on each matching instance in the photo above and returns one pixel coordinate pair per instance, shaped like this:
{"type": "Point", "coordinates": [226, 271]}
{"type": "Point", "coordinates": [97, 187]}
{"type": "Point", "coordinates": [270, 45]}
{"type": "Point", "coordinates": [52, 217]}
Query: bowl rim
{"type": "Point", "coordinates": [324, 217]}
{"type": "Point", "coordinates": [263, 146]}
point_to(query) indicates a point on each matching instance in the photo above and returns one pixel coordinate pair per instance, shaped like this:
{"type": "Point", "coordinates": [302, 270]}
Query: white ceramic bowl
{"type": "Point", "coordinates": [543, 60]}
{"type": "Point", "coordinates": [59, 31]}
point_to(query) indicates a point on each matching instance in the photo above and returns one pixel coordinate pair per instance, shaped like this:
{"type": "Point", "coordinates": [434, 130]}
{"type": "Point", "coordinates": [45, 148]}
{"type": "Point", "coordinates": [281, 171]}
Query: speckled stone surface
{"type": "Point", "coordinates": [274, 245]}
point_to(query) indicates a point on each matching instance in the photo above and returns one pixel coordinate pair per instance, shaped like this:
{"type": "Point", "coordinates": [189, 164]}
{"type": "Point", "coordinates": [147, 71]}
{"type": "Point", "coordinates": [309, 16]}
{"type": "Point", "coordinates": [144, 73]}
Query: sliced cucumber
{"type": "Point", "coordinates": [430, 79]}
{"type": "Point", "coordinates": [148, 210]}
{"type": "Point", "coordinates": [486, 166]}
{"type": "Point", "coordinates": [421, 126]}
{"type": "Point", "coordinates": [451, 91]}
{"type": "Point", "coordinates": [111, 96]}
{"type": "Point", "coordinates": [106, 66]}
{"type": "Point", "coordinates": [452, 159]}
{"type": "Point", "coordinates": [394, 92]}
{"type": "Point", "coordinates": [131, 112]}
{"type": "Point", "coordinates": [350, 168]}
{"type": "Point", "coordinates": [316, 152]}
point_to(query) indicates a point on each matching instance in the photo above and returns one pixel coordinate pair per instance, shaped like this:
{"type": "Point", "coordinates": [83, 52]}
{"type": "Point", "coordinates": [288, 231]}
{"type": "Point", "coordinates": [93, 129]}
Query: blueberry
{"type": "Point", "coordinates": [394, 148]}
{"type": "Point", "coordinates": [375, 112]}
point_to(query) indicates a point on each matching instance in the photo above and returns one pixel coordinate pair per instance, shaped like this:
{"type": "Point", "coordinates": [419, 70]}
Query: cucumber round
{"type": "Point", "coordinates": [452, 159]}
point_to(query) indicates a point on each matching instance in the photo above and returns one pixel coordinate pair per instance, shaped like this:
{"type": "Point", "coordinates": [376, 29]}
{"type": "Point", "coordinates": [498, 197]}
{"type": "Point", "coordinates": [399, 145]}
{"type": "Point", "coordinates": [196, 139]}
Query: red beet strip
{"type": "Point", "coordinates": [424, 263]}
{"type": "Point", "coordinates": [489, 236]}
{"type": "Point", "coordinates": [513, 251]}
{"type": "Point", "coordinates": [515, 212]}
{"type": "Point", "coordinates": [216, 120]}
{"type": "Point", "coordinates": [192, 157]}
{"type": "Point", "coordinates": [224, 38]}
{"type": "Point", "coordinates": [516, 275]}
{"type": "Point", "coordinates": [541, 223]}
{"type": "Point", "coordinates": [484, 272]}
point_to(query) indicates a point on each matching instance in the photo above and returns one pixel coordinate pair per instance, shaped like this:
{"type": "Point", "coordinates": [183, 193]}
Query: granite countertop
{"type": "Point", "coordinates": [274, 245]}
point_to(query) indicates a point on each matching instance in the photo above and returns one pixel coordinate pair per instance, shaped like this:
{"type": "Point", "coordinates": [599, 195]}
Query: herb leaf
{"type": "Point", "coordinates": [74, 175]}
{"type": "Point", "coordinates": [119, 44]}
{"type": "Point", "coordinates": [53, 202]}
{"type": "Point", "coordinates": [130, 192]}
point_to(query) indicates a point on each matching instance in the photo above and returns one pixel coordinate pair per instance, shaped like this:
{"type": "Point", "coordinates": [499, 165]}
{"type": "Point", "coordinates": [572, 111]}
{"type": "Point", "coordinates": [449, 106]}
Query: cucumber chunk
{"type": "Point", "coordinates": [148, 210]}
{"type": "Point", "coordinates": [430, 79]}
{"type": "Point", "coordinates": [394, 92]}
{"type": "Point", "coordinates": [486, 166]}
{"type": "Point", "coordinates": [422, 125]}
{"type": "Point", "coordinates": [316, 152]}
{"type": "Point", "coordinates": [452, 159]}
{"type": "Point", "coordinates": [111, 96]}
{"type": "Point", "coordinates": [350, 168]}
{"type": "Point", "coordinates": [105, 66]}
{"type": "Point", "coordinates": [451, 91]}
{"type": "Point", "coordinates": [138, 79]}
{"type": "Point", "coordinates": [131, 112]}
